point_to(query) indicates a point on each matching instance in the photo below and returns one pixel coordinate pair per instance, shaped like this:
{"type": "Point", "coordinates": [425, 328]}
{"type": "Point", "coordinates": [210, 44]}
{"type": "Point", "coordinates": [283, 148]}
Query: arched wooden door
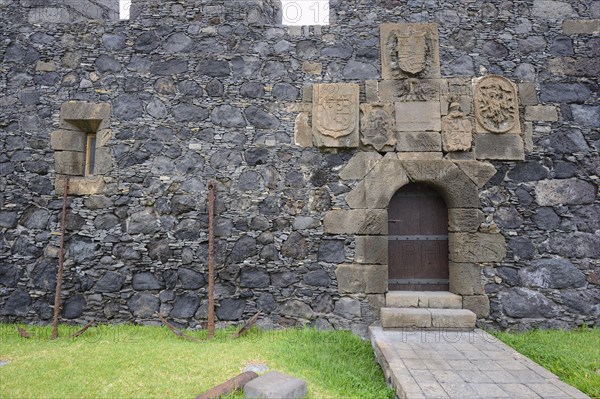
{"type": "Point", "coordinates": [417, 240]}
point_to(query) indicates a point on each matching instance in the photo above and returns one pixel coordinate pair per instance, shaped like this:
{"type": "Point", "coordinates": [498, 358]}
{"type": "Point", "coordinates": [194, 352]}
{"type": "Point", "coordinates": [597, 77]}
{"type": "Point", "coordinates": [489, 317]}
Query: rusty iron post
{"type": "Point", "coordinates": [229, 386]}
{"type": "Point", "coordinates": [211, 259]}
{"type": "Point", "coordinates": [61, 256]}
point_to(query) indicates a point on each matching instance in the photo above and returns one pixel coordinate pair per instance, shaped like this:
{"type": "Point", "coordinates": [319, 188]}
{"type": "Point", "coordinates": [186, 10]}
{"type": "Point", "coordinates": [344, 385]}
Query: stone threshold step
{"type": "Point", "coordinates": [423, 299]}
{"type": "Point", "coordinates": [427, 318]}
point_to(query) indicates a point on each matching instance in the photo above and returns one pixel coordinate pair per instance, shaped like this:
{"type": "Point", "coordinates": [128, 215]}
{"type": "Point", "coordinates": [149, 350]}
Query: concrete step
{"type": "Point", "coordinates": [428, 318]}
{"type": "Point", "coordinates": [423, 299]}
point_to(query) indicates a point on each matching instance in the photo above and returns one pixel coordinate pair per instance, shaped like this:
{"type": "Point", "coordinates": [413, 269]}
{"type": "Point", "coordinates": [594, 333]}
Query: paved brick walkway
{"type": "Point", "coordinates": [430, 364]}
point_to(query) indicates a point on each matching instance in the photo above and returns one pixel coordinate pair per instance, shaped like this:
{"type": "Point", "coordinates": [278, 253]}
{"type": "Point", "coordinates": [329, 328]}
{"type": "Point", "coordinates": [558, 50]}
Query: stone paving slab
{"type": "Point", "coordinates": [453, 364]}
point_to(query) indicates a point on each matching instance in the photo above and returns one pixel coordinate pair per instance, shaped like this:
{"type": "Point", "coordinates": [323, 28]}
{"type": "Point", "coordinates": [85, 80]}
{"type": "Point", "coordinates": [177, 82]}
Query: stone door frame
{"type": "Point", "coordinates": [378, 178]}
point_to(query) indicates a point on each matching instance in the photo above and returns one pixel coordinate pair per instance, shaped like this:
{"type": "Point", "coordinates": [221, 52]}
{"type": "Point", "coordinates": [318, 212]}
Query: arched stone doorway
{"type": "Point", "coordinates": [417, 240]}
{"type": "Point", "coordinates": [377, 180]}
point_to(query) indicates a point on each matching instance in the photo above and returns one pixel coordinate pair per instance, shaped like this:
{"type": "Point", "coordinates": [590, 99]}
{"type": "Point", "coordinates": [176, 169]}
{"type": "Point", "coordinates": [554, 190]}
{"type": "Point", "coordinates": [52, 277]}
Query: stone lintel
{"type": "Point", "coordinates": [87, 117]}
{"type": "Point", "coordinates": [356, 221]}
{"type": "Point", "coordinates": [454, 185]}
{"type": "Point", "coordinates": [362, 279]}
{"type": "Point", "coordinates": [371, 250]}
{"type": "Point", "coordinates": [465, 279]}
{"type": "Point", "coordinates": [464, 220]}
{"type": "Point", "coordinates": [476, 247]}
{"type": "Point", "coordinates": [506, 147]}
{"type": "Point", "coordinates": [68, 140]}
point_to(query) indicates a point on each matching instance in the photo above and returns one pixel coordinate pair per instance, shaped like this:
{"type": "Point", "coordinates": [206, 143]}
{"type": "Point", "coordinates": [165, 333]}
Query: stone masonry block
{"type": "Point", "coordinates": [456, 187]}
{"type": "Point", "coordinates": [371, 250]}
{"type": "Point", "coordinates": [465, 279]}
{"type": "Point", "coordinates": [581, 26]}
{"type": "Point", "coordinates": [464, 220]}
{"type": "Point", "coordinates": [476, 247]}
{"type": "Point", "coordinates": [405, 318]}
{"type": "Point", "coordinates": [453, 318]}
{"type": "Point", "coordinates": [418, 116]}
{"type": "Point", "coordinates": [358, 167]}
{"type": "Point", "coordinates": [527, 94]}
{"type": "Point", "coordinates": [380, 187]}
{"type": "Point", "coordinates": [81, 185]}
{"type": "Point", "coordinates": [478, 304]}
{"type": "Point", "coordinates": [275, 385]}
{"type": "Point", "coordinates": [419, 156]}
{"type": "Point", "coordinates": [357, 198]}
{"type": "Point", "coordinates": [361, 279]}
{"type": "Point", "coordinates": [68, 140]}
{"type": "Point", "coordinates": [372, 91]}
{"type": "Point", "coordinates": [543, 113]}
{"type": "Point", "coordinates": [87, 117]}
{"type": "Point", "coordinates": [302, 130]}
{"type": "Point", "coordinates": [69, 163]}
{"type": "Point", "coordinates": [419, 141]}
{"type": "Point", "coordinates": [507, 147]}
{"type": "Point", "coordinates": [358, 221]}
{"type": "Point", "coordinates": [104, 160]}
{"type": "Point", "coordinates": [479, 172]}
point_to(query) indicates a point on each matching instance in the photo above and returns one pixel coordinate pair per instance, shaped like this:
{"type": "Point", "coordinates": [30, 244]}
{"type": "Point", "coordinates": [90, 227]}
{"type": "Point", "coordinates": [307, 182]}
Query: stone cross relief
{"type": "Point", "coordinates": [414, 111]}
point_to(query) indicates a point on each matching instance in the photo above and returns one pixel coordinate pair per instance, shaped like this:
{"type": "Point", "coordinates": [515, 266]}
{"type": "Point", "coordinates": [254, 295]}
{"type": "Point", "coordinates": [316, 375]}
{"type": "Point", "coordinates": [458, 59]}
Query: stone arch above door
{"type": "Point", "coordinates": [378, 178]}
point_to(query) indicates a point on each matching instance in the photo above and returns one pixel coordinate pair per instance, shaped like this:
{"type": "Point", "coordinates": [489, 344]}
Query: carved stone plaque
{"type": "Point", "coordinates": [410, 51]}
{"type": "Point", "coordinates": [377, 126]}
{"type": "Point", "coordinates": [496, 105]}
{"type": "Point", "coordinates": [456, 130]}
{"type": "Point", "coordinates": [336, 114]}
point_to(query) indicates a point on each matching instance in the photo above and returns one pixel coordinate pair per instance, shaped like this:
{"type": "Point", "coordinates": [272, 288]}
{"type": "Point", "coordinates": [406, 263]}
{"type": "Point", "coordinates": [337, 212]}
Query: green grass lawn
{"type": "Point", "coordinates": [128, 361]}
{"type": "Point", "coordinates": [574, 356]}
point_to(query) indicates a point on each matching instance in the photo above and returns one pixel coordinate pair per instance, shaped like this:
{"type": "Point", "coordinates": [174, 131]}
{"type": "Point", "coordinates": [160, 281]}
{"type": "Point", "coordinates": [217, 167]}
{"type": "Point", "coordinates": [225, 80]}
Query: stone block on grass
{"type": "Point", "coordinates": [275, 385]}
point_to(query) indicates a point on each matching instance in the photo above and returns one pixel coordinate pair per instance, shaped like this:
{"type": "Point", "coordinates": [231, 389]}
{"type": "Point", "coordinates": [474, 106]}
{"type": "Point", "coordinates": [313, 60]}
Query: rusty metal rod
{"type": "Point", "coordinates": [84, 329]}
{"type": "Point", "coordinates": [228, 386]}
{"type": "Point", "coordinates": [61, 256]}
{"type": "Point", "coordinates": [175, 330]}
{"type": "Point", "coordinates": [211, 259]}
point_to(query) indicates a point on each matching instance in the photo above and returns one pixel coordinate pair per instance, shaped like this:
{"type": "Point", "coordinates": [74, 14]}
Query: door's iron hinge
{"type": "Point", "coordinates": [419, 238]}
{"type": "Point", "coordinates": [421, 281]}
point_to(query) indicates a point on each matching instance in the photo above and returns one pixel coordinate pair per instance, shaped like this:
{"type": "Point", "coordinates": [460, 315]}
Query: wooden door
{"type": "Point", "coordinates": [418, 240]}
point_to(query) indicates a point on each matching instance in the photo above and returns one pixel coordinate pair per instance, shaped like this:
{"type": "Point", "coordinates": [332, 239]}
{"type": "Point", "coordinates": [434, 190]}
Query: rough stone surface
{"type": "Point", "coordinates": [177, 102]}
{"type": "Point", "coordinates": [275, 385]}
{"type": "Point", "coordinates": [565, 192]}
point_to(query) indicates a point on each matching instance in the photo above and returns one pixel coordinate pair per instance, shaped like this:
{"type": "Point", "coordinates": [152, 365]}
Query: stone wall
{"type": "Point", "coordinates": [205, 90]}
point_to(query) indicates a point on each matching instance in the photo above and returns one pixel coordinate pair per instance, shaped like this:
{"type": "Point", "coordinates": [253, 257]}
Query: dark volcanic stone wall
{"type": "Point", "coordinates": [210, 90]}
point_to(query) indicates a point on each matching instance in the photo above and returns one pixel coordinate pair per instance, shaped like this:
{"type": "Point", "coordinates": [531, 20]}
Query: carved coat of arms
{"type": "Point", "coordinates": [409, 53]}
{"type": "Point", "coordinates": [496, 105]}
{"type": "Point", "coordinates": [377, 125]}
{"type": "Point", "coordinates": [336, 109]}
{"type": "Point", "coordinates": [456, 130]}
